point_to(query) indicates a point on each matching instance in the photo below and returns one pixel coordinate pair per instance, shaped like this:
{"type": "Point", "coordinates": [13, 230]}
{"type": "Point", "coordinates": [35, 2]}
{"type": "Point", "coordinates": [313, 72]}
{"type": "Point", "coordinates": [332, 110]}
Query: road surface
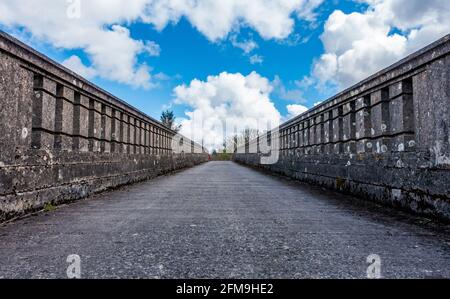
{"type": "Point", "coordinates": [223, 220]}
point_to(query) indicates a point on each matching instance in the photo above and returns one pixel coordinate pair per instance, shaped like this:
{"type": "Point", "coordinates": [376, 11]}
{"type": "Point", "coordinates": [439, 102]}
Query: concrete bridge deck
{"type": "Point", "coordinates": [233, 222]}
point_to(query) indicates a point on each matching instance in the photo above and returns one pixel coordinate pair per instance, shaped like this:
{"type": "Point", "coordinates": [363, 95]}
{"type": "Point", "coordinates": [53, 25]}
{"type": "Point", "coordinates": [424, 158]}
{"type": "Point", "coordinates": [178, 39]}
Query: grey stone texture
{"type": "Point", "coordinates": [385, 139]}
{"type": "Point", "coordinates": [63, 138]}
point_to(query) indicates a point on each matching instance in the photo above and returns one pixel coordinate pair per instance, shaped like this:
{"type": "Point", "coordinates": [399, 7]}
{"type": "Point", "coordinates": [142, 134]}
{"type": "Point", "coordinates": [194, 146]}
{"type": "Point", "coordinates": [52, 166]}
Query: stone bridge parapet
{"type": "Point", "coordinates": [385, 139]}
{"type": "Point", "coordinates": [63, 138]}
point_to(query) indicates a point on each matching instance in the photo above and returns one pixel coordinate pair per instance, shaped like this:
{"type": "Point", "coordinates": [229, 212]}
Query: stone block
{"type": "Point", "coordinates": [382, 145]}
{"type": "Point", "coordinates": [337, 127]}
{"type": "Point", "coordinates": [364, 146]}
{"type": "Point", "coordinates": [350, 147]}
{"type": "Point", "coordinates": [349, 122]}
{"type": "Point", "coordinates": [403, 143]}
{"type": "Point", "coordinates": [64, 118]}
{"type": "Point", "coordinates": [363, 124]}
{"type": "Point", "coordinates": [81, 116]}
{"type": "Point", "coordinates": [338, 148]}
{"type": "Point", "coordinates": [125, 129]}
{"type": "Point", "coordinates": [132, 131]}
{"type": "Point", "coordinates": [44, 111]}
{"type": "Point", "coordinates": [44, 84]}
{"type": "Point", "coordinates": [379, 116]}
{"type": "Point", "coordinates": [400, 88]}
{"type": "Point", "coordinates": [363, 102]}
{"type": "Point", "coordinates": [379, 96]}
{"type": "Point", "coordinates": [312, 135]}
{"type": "Point", "coordinates": [401, 111]}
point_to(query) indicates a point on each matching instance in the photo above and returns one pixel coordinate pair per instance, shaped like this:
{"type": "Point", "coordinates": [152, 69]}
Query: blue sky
{"type": "Point", "coordinates": [232, 60]}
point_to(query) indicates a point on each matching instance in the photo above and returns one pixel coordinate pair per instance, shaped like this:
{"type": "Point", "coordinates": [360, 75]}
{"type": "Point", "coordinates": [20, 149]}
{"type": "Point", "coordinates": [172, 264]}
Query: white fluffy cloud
{"type": "Point", "coordinates": [93, 26]}
{"type": "Point", "coordinates": [225, 104]}
{"type": "Point", "coordinates": [98, 27]}
{"type": "Point", "coordinates": [216, 19]}
{"type": "Point", "coordinates": [359, 44]}
{"type": "Point", "coordinates": [295, 110]}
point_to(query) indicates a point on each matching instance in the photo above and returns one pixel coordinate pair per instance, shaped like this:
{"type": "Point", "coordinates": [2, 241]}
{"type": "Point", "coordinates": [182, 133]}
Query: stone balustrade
{"type": "Point", "coordinates": [63, 138]}
{"type": "Point", "coordinates": [385, 139]}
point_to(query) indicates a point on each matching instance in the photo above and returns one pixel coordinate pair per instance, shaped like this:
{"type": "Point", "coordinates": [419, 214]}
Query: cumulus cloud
{"type": "Point", "coordinates": [93, 26]}
{"type": "Point", "coordinates": [99, 27]}
{"type": "Point", "coordinates": [225, 104]}
{"type": "Point", "coordinates": [359, 44]}
{"type": "Point", "coordinates": [295, 110]}
{"type": "Point", "coordinates": [216, 19]}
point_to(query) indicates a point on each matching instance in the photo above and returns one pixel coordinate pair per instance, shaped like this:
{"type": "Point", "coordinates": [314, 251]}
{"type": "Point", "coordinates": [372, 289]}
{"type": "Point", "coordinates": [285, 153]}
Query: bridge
{"type": "Point", "coordinates": [364, 176]}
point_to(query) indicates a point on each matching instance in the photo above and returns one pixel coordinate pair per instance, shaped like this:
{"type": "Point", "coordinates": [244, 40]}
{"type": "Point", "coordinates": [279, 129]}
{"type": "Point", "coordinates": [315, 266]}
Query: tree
{"type": "Point", "coordinates": [168, 120]}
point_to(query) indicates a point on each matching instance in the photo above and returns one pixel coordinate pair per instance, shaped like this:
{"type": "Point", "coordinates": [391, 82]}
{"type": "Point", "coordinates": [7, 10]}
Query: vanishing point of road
{"type": "Point", "coordinates": [223, 220]}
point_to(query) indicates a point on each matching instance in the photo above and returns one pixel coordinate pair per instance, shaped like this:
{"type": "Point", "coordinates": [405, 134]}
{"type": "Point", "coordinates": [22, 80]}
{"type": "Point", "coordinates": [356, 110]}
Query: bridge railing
{"type": "Point", "coordinates": [63, 138]}
{"type": "Point", "coordinates": [386, 138]}
{"type": "Point", "coordinates": [70, 113]}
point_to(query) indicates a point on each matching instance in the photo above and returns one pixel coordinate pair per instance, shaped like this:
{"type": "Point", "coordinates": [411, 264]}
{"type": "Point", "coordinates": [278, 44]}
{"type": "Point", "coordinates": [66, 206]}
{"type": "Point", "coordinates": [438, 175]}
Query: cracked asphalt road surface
{"type": "Point", "coordinates": [223, 220]}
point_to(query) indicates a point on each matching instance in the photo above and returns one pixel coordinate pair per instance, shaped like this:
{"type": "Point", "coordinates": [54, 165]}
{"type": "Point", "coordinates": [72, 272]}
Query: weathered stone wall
{"type": "Point", "coordinates": [62, 138]}
{"type": "Point", "coordinates": [385, 139]}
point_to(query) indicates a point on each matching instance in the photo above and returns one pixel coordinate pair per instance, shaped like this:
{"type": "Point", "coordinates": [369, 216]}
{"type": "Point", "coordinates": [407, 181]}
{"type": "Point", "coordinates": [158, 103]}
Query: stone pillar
{"type": "Point", "coordinates": [285, 142]}
{"type": "Point", "coordinates": [44, 111]}
{"type": "Point", "coordinates": [81, 123]}
{"type": "Point", "coordinates": [363, 124]}
{"type": "Point", "coordinates": [106, 129]}
{"type": "Point", "coordinates": [380, 125]}
{"type": "Point", "coordinates": [132, 135]}
{"type": "Point", "coordinates": [166, 143]}
{"type": "Point", "coordinates": [152, 136]}
{"type": "Point", "coordinates": [282, 142]}
{"type": "Point", "coordinates": [163, 141]}
{"type": "Point", "coordinates": [306, 138]}
{"type": "Point", "coordinates": [401, 112]}
{"type": "Point", "coordinates": [312, 136]}
{"type": "Point", "coordinates": [143, 137]}
{"type": "Point", "coordinates": [64, 118]}
{"type": "Point", "coordinates": [301, 143]}
{"type": "Point", "coordinates": [147, 138]}
{"type": "Point", "coordinates": [349, 127]}
{"type": "Point", "coordinates": [328, 132]}
{"type": "Point", "coordinates": [290, 140]}
{"type": "Point", "coordinates": [169, 146]}
{"type": "Point", "coordinates": [125, 134]}
{"type": "Point", "coordinates": [157, 140]}
{"type": "Point", "coordinates": [115, 131]}
{"type": "Point", "coordinates": [137, 136]}
{"type": "Point", "coordinates": [95, 125]}
{"type": "Point", "coordinates": [320, 134]}
{"type": "Point", "coordinates": [337, 130]}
